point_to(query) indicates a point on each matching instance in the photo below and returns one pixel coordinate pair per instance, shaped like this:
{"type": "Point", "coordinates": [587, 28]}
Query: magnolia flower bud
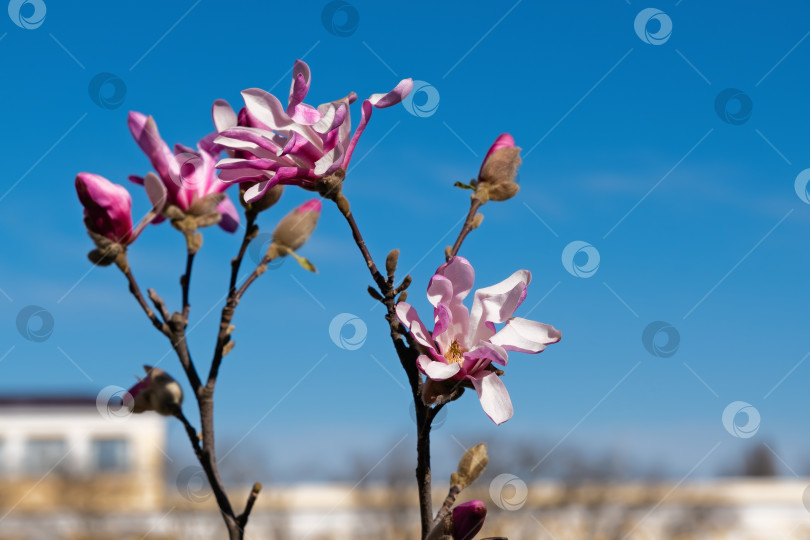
{"type": "Point", "coordinates": [107, 207]}
{"type": "Point", "coordinates": [158, 392]}
{"type": "Point", "coordinates": [295, 228]}
{"type": "Point", "coordinates": [468, 518]}
{"type": "Point", "coordinates": [270, 197]}
{"type": "Point", "coordinates": [470, 466]}
{"type": "Point", "coordinates": [496, 179]}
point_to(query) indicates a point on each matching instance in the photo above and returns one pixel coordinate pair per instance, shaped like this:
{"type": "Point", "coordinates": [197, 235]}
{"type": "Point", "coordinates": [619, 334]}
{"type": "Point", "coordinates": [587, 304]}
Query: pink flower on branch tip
{"type": "Point", "coordinates": [188, 175]}
{"type": "Point", "coordinates": [465, 343]}
{"type": "Point", "coordinates": [296, 145]}
{"type": "Point", "coordinates": [504, 140]}
{"type": "Point", "coordinates": [496, 178]}
{"type": "Point", "coordinates": [468, 518]}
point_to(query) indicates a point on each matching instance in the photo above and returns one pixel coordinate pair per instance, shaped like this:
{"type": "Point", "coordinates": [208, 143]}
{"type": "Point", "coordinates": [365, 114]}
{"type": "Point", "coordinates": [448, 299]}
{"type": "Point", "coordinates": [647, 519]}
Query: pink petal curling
{"type": "Point", "coordinates": [493, 396]}
{"type": "Point", "coordinates": [107, 207]}
{"type": "Point", "coordinates": [468, 518]}
{"type": "Point", "coordinates": [317, 139]}
{"type": "Point", "coordinates": [504, 140]}
{"type": "Point", "coordinates": [380, 101]}
{"type": "Point", "coordinates": [187, 174]}
{"type": "Point", "coordinates": [468, 342]}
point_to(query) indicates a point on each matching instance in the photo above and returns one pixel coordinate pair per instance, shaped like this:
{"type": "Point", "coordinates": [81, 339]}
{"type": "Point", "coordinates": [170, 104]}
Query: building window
{"type": "Point", "coordinates": [45, 455]}
{"type": "Point", "coordinates": [110, 455]}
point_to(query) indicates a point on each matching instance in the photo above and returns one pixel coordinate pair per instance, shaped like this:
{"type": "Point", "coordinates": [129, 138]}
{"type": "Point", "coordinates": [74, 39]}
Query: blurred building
{"type": "Point", "coordinates": [71, 470]}
{"type": "Point", "coordinates": [64, 453]}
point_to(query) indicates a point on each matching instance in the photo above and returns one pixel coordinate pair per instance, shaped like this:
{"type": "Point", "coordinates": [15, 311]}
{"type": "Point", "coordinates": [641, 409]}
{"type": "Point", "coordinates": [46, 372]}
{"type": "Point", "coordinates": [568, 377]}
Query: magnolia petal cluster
{"type": "Point", "coordinates": [465, 343]}
{"type": "Point", "coordinates": [158, 392]}
{"type": "Point", "coordinates": [299, 144]}
{"type": "Point", "coordinates": [189, 175]}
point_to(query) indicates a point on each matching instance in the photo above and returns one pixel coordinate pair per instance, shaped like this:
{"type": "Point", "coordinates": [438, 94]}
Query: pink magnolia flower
{"type": "Point", "coordinates": [188, 175]}
{"type": "Point", "coordinates": [465, 342]}
{"type": "Point", "coordinates": [468, 518]}
{"type": "Point", "coordinates": [107, 207]}
{"type": "Point", "coordinates": [294, 145]}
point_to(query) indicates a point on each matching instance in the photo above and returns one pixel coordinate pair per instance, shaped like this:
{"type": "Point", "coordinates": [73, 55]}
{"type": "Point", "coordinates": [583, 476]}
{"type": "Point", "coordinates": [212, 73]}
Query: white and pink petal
{"type": "Point", "coordinates": [523, 335]}
{"type": "Point", "coordinates": [494, 397]}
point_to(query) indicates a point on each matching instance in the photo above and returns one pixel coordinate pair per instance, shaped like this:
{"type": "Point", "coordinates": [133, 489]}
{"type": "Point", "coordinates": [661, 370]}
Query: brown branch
{"type": "Point", "coordinates": [190, 431]}
{"type": "Point", "coordinates": [475, 204]}
{"type": "Point", "coordinates": [174, 328]}
{"type": "Point", "coordinates": [136, 292]}
{"type": "Point", "coordinates": [407, 357]}
{"type": "Point", "coordinates": [424, 420]}
{"type": "Point", "coordinates": [345, 209]}
{"type": "Point", "coordinates": [185, 283]}
{"type": "Point", "coordinates": [160, 305]}
{"type": "Point", "coordinates": [254, 493]}
{"type": "Point", "coordinates": [444, 511]}
{"type": "Point", "coordinates": [234, 296]}
{"type": "Point", "coordinates": [251, 230]}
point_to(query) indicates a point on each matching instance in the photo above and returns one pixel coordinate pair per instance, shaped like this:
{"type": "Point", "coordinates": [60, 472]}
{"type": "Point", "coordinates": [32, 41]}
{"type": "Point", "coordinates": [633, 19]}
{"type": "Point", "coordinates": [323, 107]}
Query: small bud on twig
{"type": "Point", "coordinates": [158, 392]}
{"type": "Point", "coordinates": [405, 284]}
{"type": "Point", "coordinates": [374, 294]}
{"type": "Point", "coordinates": [391, 263]}
{"type": "Point", "coordinates": [470, 466]}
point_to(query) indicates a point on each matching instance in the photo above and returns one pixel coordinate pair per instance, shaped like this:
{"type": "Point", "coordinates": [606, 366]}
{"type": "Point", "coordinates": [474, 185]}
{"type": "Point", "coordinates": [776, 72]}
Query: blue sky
{"type": "Point", "coordinates": [696, 220]}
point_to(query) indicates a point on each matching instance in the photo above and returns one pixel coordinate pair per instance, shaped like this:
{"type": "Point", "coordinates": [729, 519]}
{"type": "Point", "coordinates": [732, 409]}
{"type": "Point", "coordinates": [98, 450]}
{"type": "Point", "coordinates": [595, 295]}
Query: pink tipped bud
{"type": "Point", "coordinates": [312, 205]}
{"type": "Point", "coordinates": [295, 228]}
{"type": "Point", "coordinates": [158, 392]}
{"type": "Point", "coordinates": [496, 179]}
{"type": "Point", "coordinates": [107, 207]}
{"type": "Point", "coordinates": [468, 518]}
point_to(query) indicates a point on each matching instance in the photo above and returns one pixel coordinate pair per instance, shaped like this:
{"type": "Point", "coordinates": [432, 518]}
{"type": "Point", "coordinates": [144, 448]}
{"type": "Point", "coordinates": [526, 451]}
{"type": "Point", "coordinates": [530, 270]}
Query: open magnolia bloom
{"type": "Point", "coordinates": [189, 175]}
{"type": "Point", "coordinates": [295, 145]}
{"type": "Point", "coordinates": [465, 343]}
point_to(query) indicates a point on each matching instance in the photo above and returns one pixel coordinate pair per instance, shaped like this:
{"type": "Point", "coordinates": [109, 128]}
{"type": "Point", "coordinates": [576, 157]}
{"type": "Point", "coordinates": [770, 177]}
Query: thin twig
{"type": "Point", "coordinates": [185, 283]}
{"type": "Point", "coordinates": [190, 431]}
{"type": "Point", "coordinates": [475, 204]}
{"type": "Point", "coordinates": [234, 296]}
{"type": "Point", "coordinates": [160, 305]}
{"type": "Point", "coordinates": [444, 511]}
{"type": "Point", "coordinates": [254, 493]}
{"type": "Point", "coordinates": [136, 292]}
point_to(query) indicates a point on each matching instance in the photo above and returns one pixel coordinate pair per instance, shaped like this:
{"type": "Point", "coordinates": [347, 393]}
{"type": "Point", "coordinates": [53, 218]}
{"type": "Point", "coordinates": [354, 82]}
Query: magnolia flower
{"type": "Point", "coordinates": [465, 342]}
{"type": "Point", "coordinates": [188, 175]}
{"type": "Point", "coordinates": [296, 145]}
{"type": "Point", "coordinates": [468, 518]}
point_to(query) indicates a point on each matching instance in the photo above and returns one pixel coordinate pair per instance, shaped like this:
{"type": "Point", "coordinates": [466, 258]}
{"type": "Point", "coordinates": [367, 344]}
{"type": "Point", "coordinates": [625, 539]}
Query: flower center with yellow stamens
{"type": "Point", "coordinates": [455, 354]}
